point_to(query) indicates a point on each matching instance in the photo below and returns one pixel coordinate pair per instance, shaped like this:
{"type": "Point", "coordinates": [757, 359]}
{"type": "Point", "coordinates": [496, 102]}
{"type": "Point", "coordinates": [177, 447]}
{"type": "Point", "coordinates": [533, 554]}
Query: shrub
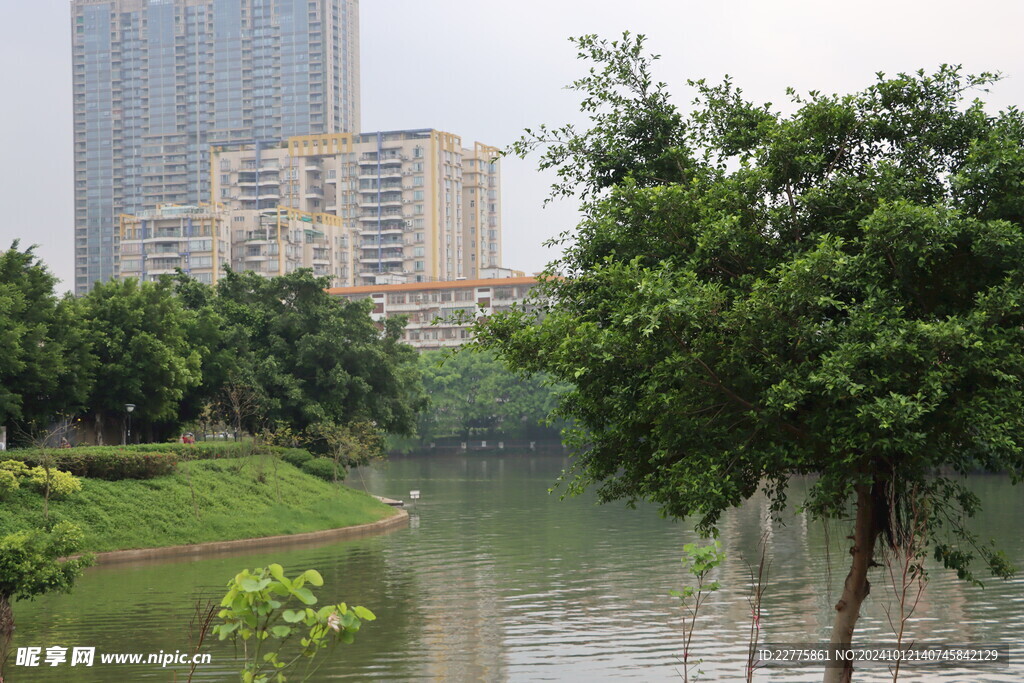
{"type": "Point", "coordinates": [145, 461]}
{"type": "Point", "coordinates": [103, 462]}
{"type": "Point", "coordinates": [324, 468]}
{"type": "Point", "coordinates": [8, 483]}
{"type": "Point", "coordinates": [60, 483]}
{"type": "Point", "coordinates": [295, 456]}
{"type": "Point", "coordinates": [15, 467]}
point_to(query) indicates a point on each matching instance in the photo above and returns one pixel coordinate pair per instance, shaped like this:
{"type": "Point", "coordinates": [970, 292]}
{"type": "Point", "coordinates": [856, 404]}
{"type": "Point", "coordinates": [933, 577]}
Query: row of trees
{"type": "Point", "coordinates": [475, 394]}
{"type": "Point", "coordinates": [255, 352]}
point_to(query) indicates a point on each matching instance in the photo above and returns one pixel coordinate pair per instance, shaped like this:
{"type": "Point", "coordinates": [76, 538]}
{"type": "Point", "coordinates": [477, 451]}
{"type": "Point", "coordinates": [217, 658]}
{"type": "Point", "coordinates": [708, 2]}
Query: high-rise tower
{"type": "Point", "coordinates": [156, 82]}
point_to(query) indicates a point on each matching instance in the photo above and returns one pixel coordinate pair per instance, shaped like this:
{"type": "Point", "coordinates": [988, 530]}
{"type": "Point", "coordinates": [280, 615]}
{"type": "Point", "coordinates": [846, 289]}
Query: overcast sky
{"type": "Point", "coordinates": [487, 69]}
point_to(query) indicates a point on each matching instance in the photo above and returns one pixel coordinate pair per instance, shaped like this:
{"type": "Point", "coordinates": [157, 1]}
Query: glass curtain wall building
{"type": "Point", "coordinates": [157, 82]}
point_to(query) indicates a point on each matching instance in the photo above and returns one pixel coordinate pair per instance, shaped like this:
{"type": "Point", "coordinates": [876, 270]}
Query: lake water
{"type": "Point", "coordinates": [497, 580]}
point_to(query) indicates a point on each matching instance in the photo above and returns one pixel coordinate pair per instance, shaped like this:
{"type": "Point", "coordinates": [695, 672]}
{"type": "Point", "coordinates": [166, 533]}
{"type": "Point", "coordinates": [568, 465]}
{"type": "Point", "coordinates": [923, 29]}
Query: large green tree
{"type": "Point", "coordinates": [837, 291]}
{"type": "Point", "coordinates": [45, 365]}
{"type": "Point", "coordinates": [310, 358]}
{"type": "Point", "coordinates": [140, 334]}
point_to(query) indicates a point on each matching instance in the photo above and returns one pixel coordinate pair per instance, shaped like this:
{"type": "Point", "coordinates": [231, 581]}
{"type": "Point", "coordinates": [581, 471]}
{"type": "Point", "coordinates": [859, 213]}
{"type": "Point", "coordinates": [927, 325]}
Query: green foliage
{"type": "Point", "coordinates": [105, 462]}
{"type": "Point", "coordinates": [295, 456]}
{"type": "Point", "coordinates": [251, 353]}
{"type": "Point", "coordinates": [198, 506]}
{"type": "Point", "coordinates": [272, 611]}
{"type": "Point", "coordinates": [140, 337]}
{"type": "Point", "coordinates": [699, 561]}
{"type": "Point", "coordinates": [305, 357]}
{"type": "Point", "coordinates": [476, 392]}
{"type": "Point", "coordinates": [45, 366]}
{"type": "Point", "coordinates": [323, 468]}
{"type": "Point", "coordinates": [15, 467]}
{"type": "Point", "coordinates": [8, 483]}
{"type": "Point", "coordinates": [60, 484]}
{"type": "Point", "coordinates": [56, 483]}
{"type": "Point", "coordinates": [752, 295]}
{"type": "Point", "coordinates": [145, 461]}
{"type": "Point", "coordinates": [345, 446]}
{"type": "Point", "coordinates": [32, 561]}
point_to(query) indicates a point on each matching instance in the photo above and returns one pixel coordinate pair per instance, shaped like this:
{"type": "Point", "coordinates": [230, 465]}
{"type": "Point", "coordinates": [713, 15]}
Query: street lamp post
{"type": "Point", "coordinates": [129, 407]}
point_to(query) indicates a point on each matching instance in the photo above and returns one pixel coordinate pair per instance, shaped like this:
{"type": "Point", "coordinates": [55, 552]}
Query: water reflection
{"type": "Point", "coordinates": [496, 580]}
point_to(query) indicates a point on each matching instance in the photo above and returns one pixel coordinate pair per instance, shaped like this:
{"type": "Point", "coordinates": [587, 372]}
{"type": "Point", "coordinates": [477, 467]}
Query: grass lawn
{"type": "Point", "coordinates": [204, 500]}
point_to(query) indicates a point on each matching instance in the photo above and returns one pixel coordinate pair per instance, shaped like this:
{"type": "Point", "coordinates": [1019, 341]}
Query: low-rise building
{"type": "Point", "coordinates": [439, 313]}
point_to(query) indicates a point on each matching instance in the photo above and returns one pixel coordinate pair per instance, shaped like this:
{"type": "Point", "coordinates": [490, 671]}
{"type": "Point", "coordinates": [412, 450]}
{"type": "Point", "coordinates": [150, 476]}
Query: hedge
{"type": "Point", "coordinates": [323, 468]}
{"type": "Point", "coordinates": [100, 462]}
{"type": "Point", "coordinates": [145, 461]}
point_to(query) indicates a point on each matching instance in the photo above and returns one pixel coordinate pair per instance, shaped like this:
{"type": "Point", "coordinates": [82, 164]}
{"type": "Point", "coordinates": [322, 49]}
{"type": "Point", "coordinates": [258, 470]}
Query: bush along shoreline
{"type": "Point", "coordinates": [159, 495]}
{"type": "Point", "coordinates": [145, 461]}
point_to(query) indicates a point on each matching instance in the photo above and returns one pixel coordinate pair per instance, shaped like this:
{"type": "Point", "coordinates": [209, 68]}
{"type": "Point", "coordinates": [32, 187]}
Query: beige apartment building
{"type": "Point", "coordinates": [417, 205]}
{"type": "Point", "coordinates": [194, 239]}
{"type": "Point", "coordinates": [439, 313]}
{"type": "Point", "coordinates": [201, 240]}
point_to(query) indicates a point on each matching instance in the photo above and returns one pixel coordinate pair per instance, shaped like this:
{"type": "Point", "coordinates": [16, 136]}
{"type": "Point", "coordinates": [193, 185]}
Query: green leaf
{"type": "Point", "coordinates": [305, 595]}
{"type": "Point", "coordinates": [364, 614]}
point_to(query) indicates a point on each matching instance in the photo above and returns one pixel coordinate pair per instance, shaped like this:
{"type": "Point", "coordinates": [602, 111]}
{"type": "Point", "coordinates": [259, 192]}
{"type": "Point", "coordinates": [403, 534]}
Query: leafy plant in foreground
{"type": "Point", "coordinates": [32, 563]}
{"type": "Point", "coordinates": [256, 611]}
{"type": "Point", "coordinates": [699, 561]}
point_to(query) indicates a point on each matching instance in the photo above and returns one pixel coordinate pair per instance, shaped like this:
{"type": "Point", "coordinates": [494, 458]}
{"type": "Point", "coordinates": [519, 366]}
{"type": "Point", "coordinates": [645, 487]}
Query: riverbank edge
{"type": "Point", "coordinates": [395, 521]}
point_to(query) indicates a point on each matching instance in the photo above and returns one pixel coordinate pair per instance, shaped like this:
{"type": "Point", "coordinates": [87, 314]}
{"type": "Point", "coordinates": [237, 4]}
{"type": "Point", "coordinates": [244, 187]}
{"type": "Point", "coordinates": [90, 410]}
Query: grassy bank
{"type": "Point", "coordinates": [204, 500]}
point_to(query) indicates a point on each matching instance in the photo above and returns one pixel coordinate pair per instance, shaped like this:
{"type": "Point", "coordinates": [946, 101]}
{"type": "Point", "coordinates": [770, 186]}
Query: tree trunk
{"type": "Point", "coordinates": [99, 428]}
{"type": "Point", "coordinates": [6, 630]}
{"type": "Point", "coordinates": [866, 528]}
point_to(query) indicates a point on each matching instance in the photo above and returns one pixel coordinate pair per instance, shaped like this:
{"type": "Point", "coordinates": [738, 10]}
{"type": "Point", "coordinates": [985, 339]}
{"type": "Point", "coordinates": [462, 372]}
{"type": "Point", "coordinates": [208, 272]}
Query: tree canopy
{"type": "Point", "coordinates": [309, 357]}
{"type": "Point", "coordinates": [474, 392]}
{"type": "Point", "coordinates": [140, 336]}
{"type": "Point", "coordinates": [276, 353]}
{"type": "Point", "coordinates": [45, 365]}
{"type": "Point", "coordinates": [751, 295]}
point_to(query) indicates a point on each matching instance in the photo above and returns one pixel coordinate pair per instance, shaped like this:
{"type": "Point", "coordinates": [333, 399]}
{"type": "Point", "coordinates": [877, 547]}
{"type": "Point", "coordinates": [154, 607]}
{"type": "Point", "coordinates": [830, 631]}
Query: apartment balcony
{"type": "Point", "coordinates": [258, 236]}
{"type": "Point", "coordinates": [392, 218]}
{"type": "Point", "coordinates": [385, 172]}
{"type": "Point", "coordinates": [373, 204]}
{"type": "Point", "coordinates": [384, 244]}
{"type": "Point", "coordinates": [382, 259]}
{"type": "Point", "coordinates": [162, 271]}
